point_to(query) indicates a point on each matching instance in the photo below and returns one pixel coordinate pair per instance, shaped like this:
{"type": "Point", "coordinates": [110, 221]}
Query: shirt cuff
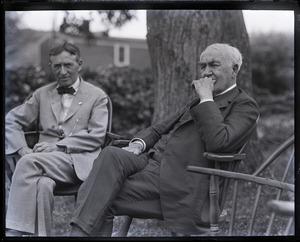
{"type": "Point", "coordinates": [206, 100]}
{"type": "Point", "coordinates": [139, 141]}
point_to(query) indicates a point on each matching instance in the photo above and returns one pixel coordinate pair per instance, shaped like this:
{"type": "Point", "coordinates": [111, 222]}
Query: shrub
{"type": "Point", "coordinates": [131, 92]}
{"type": "Point", "coordinates": [273, 61]}
{"type": "Point", "coordinates": [20, 83]}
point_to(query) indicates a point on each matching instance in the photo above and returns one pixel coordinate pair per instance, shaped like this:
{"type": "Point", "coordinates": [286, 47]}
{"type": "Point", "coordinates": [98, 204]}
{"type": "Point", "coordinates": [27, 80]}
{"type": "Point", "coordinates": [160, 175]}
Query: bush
{"type": "Point", "coordinates": [20, 83]}
{"type": "Point", "coordinates": [273, 61]}
{"type": "Point", "coordinates": [130, 90]}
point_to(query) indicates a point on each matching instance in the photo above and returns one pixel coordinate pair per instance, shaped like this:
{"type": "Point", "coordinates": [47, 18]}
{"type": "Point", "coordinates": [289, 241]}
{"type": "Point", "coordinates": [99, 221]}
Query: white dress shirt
{"type": "Point", "coordinates": [66, 102]}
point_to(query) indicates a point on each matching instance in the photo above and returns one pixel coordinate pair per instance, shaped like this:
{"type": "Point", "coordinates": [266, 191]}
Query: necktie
{"type": "Point", "coordinates": [64, 90]}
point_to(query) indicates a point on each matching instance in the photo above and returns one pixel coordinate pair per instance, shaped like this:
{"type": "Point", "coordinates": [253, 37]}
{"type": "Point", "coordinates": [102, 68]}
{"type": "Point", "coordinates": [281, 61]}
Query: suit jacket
{"type": "Point", "coordinates": [218, 126]}
{"type": "Point", "coordinates": [84, 127]}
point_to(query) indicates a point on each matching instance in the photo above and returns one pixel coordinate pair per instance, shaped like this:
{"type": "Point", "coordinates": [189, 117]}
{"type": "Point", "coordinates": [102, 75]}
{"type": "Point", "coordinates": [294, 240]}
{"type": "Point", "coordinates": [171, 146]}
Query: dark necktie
{"type": "Point", "coordinates": [64, 90]}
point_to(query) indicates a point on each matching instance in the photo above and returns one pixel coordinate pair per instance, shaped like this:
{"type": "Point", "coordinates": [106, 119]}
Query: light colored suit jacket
{"type": "Point", "coordinates": [84, 127]}
{"type": "Point", "coordinates": [218, 126]}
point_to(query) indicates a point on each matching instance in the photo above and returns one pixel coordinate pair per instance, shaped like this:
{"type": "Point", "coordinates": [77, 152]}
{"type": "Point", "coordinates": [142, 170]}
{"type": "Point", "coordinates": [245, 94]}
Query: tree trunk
{"type": "Point", "coordinates": [176, 39]}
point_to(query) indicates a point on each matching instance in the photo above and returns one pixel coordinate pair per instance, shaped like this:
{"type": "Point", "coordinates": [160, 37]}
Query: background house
{"type": "Point", "coordinates": [32, 47]}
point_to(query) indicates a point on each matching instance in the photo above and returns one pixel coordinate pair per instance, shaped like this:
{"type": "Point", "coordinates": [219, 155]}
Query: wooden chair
{"type": "Point", "coordinates": [226, 161]}
{"type": "Point", "coordinates": [72, 190]}
{"type": "Point", "coordinates": [281, 159]}
{"type": "Point", "coordinates": [285, 208]}
{"type": "Point", "coordinates": [32, 139]}
{"type": "Point", "coordinates": [233, 161]}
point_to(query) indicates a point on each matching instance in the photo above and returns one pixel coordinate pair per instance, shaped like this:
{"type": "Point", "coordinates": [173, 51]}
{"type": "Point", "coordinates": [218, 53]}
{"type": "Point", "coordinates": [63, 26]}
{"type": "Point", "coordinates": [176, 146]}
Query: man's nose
{"type": "Point", "coordinates": [207, 72]}
{"type": "Point", "coordinates": [63, 70]}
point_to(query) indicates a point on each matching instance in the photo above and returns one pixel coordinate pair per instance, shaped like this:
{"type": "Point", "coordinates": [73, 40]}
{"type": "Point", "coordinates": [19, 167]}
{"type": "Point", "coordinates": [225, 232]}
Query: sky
{"type": "Point", "coordinates": [255, 20]}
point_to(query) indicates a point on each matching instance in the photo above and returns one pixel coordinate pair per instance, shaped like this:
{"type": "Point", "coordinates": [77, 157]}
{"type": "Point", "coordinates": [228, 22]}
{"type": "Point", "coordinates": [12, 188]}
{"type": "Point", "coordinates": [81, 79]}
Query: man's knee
{"type": "Point", "coordinates": [28, 166]}
{"type": "Point", "coordinates": [117, 160]}
{"type": "Point", "coordinates": [24, 168]}
{"type": "Point", "coordinates": [110, 151]}
{"type": "Point", "coordinates": [45, 184]}
{"type": "Point", "coordinates": [26, 161]}
{"type": "Point", "coordinates": [110, 155]}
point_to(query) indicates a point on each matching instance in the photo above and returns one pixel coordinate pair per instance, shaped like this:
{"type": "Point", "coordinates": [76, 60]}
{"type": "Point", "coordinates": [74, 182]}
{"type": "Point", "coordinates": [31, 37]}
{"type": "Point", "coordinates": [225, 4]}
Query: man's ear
{"type": "Point", "coordinates": [80, 64]}
{"type": "Point", "coordinates": [235, 68]}
{"type": "Point", "coordinates": [50, 66]}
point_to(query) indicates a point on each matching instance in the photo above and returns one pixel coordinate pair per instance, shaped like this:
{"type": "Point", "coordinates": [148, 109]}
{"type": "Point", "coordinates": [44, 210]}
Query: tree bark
{"type": "Point", "coordinates": [176, 38]}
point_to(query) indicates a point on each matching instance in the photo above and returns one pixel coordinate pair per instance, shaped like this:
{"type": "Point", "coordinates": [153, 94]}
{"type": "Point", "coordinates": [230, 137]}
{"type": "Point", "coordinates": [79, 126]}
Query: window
{"type": "Point", "coordinates": [121, 55]}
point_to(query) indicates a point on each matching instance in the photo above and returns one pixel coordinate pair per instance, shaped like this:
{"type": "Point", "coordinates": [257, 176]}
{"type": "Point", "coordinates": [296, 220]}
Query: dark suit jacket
{"type": "Point", "coordinates": [218, 126]}
{"type": "Point", "coordinates": [84, 127]}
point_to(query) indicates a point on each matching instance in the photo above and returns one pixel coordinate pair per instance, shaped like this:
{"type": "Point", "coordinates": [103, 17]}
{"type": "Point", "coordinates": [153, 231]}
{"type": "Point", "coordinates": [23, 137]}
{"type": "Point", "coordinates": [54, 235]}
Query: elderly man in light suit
{"type": "Point", "coordinates": [149, 177]}
{"type": "Point", "coordinates": [73, 118]}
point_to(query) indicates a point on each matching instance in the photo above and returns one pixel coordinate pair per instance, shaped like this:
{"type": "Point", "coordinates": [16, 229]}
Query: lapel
{"type": "Point", "coordinates": [186, 116]}
{"type": "Point", "coordinates": [78, 100]}
{"type": "Point", "coordinates": [55, 100]}
{"type": "Point", "coordinates": [224, 100]}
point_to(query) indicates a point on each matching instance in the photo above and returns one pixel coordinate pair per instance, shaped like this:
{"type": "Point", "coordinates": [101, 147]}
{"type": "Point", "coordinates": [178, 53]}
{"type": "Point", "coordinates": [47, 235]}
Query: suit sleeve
{"type": "Point", "coordinates": [225, 134]}
{"type": "Point", "coordinates": [18, 119]}
{"type": "Point", "coordinates": [153, 133]}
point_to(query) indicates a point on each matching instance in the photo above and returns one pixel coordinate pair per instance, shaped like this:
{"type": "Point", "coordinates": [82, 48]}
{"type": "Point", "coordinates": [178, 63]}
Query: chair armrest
{"type": "Point", "coordinates": [117, 140]}
{"type": "Point", "coordinates": [13, 155]}
{"type": "Point", "coordinates": [223, 157]}
{"type": "Point", "coordinates": [242, 176]}
{"type": "Point", "coordinates": [120, 143]}
{"type": "Point", "coordinates": [114, 136]}
{"type": "Point", "coordinates": [286, 208]}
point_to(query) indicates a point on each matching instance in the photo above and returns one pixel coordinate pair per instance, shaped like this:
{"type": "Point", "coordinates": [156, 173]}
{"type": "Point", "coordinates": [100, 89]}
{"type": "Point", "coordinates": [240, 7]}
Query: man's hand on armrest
{"type": "Point", "coordinates": [135, 147]}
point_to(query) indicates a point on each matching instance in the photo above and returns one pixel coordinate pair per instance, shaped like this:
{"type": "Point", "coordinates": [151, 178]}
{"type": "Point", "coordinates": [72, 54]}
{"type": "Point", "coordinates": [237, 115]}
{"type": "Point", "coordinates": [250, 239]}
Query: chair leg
{"type": "Point", "coordinates": [125, 227]}
{"type": "Point", "coordinates": [214, 211]}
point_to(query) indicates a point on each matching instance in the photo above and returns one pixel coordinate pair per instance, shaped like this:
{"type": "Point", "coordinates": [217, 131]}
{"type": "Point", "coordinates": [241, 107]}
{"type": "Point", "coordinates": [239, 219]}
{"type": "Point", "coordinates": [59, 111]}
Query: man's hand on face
{"type": "Point", "coordinates": [204, 87]}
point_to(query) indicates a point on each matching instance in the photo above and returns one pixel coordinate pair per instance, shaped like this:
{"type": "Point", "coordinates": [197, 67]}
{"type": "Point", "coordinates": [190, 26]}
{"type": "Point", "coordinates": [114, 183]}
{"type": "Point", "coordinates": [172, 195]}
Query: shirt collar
{"type": "Point", "coordinates": [75, 85]}
{"type": "Point", "coordinates": [227, 90]}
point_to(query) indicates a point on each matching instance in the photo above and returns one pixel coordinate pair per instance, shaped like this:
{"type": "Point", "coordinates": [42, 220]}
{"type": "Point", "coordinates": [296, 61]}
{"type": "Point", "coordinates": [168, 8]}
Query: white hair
{"type": "Point", "coordinates": [229, 53]}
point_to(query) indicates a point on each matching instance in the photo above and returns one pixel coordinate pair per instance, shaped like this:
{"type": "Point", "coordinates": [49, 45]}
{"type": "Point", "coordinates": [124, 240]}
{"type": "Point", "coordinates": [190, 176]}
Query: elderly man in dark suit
{"type": "Point", "coordinates": [152, 169]}
{"type": "Point", "coordinates": [73, 117]}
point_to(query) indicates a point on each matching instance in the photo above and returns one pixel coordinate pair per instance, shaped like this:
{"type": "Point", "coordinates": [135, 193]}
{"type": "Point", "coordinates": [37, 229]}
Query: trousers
{"type": "Point", "coordinates": [31, 199]}
{"type": "Point", "coordinates": [120, 183]}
